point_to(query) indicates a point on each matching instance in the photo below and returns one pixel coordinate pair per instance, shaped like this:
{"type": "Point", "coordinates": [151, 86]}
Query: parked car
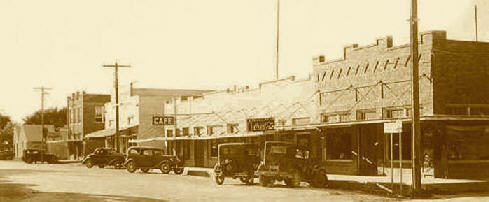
{"type": "Point", "coordinates": [6, 155]}
{"type": "Point", "coordinates": [34, 155]}
{"type": "Point", "coordinates": [292, 164]}
{"type": "Point", "coordinates": [102, 157]}
{"type": "Point", "coordinates": [146, 158]}
{"type": "Point", "coordinates": [237, 160]}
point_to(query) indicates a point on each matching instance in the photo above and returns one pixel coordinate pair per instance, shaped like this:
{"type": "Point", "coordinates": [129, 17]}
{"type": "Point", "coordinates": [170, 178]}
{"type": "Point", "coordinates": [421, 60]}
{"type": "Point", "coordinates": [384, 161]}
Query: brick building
{"type": "Point", "coordinates": [137, 106]}
{"type": "Point", "coordinates": [84, 115]}
{"type": "Point", "coordinates": [372, 85]}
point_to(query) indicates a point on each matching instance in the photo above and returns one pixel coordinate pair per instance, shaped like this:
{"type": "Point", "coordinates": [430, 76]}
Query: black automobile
{"type": "Point", "coordinates": [6, 154]}
{"type": "Point", "coordinates": [237, 160]}
{"type": "Point", "coordinates": [102, 157]}
{"type": "Point", "coordinates": [146, 158]}
{"type": "Point", "coordinates": [287, 162]}
{"type": "Point", "coordinates": [35, 155]}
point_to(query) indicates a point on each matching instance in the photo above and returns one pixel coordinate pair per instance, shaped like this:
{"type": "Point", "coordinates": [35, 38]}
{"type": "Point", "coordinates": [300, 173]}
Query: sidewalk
{"type": "Point", "coordinates": [381, 185]}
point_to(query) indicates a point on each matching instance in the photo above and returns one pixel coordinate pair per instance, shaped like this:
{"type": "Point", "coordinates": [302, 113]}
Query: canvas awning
{"type": "Point", "coordinates": [106, 132]}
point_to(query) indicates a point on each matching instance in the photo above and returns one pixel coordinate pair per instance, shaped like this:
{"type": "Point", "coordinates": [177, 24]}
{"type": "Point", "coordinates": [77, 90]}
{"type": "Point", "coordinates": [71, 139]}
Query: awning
{"type": "Point", "coordinates": [101, 133]}
{"type": "Point", "coordinates": [237, 135]}
{"type": "Point", "coordinates": [106, 132]}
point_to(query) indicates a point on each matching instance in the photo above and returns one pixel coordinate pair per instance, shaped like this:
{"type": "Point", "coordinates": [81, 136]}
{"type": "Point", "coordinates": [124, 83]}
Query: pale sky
{"type": "Point", "coordinates": [205, 44]}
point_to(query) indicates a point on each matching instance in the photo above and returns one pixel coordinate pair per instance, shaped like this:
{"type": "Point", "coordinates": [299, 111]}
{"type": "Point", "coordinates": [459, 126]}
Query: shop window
{"type": "Point", "coordinates": [198, 131]}
{"type": "Point", "coordinates": [214, 148]}
{"type": "Point", "coordinates": [169, 133]}
{"type": "Point", "coordinates": [406, 144]}
{"type": "Point", "coordinates": [185, 131]}
{"type": "Point", "coordinates": [99, 114]}
{"type": "Point", "coordinates": [467, 142]}
{"type": "Point", "coordinates": [212, 130]}
{"type": "Point", "coordinates": [232, 128]}
{"type": "Point", "coordinates": [338, 146]}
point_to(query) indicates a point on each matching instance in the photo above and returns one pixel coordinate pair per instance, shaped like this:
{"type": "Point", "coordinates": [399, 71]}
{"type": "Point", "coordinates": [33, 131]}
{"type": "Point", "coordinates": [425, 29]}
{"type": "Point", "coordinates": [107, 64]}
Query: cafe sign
{"type": "Point", "coordinates": [163, 120]}
{"type": "Point", "coordinates": [260, 124]}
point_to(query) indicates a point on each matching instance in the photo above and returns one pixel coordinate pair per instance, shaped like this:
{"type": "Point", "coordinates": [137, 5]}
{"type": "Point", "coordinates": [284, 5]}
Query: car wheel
{"type": "Point", "coordinates": [178, 170]}
{"type": "Point", "coordinates": [131, 167]}
{"type": "Point", "coordinates": [165, 168]}
{"type": "Point", "coordinates": [28, 160]}
{"type": "Point", "coordinates": [219, 179]}
{"type": "Point", "coordinates": [145, 170]}
{"type": "Point", "coordinates": [89, 163]}
{"type": "Point", "coordinates": [52, 160]}
{"type": "Point", "coordinates": [319, 180]}
{"type": "Point", "coordinates": [101, 165]}
{"type": "Point", "coordinates": [266, 181]}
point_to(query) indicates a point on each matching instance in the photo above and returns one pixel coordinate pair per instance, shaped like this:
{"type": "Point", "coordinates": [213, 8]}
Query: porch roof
{"type": "Point", "coordinates": [106, 132]}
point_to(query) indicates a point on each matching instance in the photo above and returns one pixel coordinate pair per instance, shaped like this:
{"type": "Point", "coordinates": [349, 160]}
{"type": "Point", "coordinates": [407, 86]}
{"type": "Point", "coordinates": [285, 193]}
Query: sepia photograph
{"type": "Point", "coordinates": [244, 100]}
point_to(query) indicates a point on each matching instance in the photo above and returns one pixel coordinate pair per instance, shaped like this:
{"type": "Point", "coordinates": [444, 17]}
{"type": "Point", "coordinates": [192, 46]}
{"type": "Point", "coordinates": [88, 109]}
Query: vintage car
{"type": "Point", "coordinates": [237, 160]}
{"type": "Point", "coordinates": [104, 157]}
{"type": "Point", "coordinates": [6, 153]}
{"type": "Point", "coordinates": [292, 164]}
{"type": "Point", "coordinates": [146, 158]}
{"type": "Point", "coordinates": [35, 155]}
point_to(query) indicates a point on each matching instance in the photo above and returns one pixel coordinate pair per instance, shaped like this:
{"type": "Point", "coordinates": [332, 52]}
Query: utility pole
{"type": "Point", "coordinates": [116, 85]}
{"type": "Point", "coordinates": [475, 18]}
{"type": "Point", "coordinates": [416, 131]}
{"type": "Point", "coordinates": [43, 92]}
{"type": "Point", "coordinates": [277, 42]}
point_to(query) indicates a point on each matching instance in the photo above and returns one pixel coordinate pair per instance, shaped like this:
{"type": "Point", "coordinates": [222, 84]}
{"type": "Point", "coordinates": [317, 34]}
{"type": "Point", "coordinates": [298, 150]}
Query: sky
{"type": "Point", "coordinates": [194, 44]}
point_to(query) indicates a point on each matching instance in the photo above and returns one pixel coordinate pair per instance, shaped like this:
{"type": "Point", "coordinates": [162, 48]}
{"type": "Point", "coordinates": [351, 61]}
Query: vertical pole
{"type": "Point", "coordinates": [175, 134]}
{"type": "Point", "coordinates": [476, 30]}
{"type": "Point", "coordinates": [400, 163]}
{"type": "Point", "coordinates": [416, 144]}
{"type": "Point", "coordinates": [116, 139]}
{"type": "Point", "coordinates": [277, 45]}
{"type": "Point", "coordinates": [42, 125]}
{"type": "Point", "coordinates": [392, 161]}
{"type": "Point", "coordinates": [164, 128]}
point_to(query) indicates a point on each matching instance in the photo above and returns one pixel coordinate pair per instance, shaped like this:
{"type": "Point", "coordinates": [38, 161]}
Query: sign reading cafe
{"type": "Point", "coordinates": [163, 120]}
{"type": "Point", "coordinates": [260, 124]}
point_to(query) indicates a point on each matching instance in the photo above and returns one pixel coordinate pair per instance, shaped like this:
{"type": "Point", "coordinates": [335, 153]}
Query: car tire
{"type": "Point", "coordinates": [178, 170]}
{"type": "Point", "coordinates": [131, 167]}
{"type": "Point", "coordinates": [28, 160]}
{"type": "Point", "coordinates": [145, 170]}
{"type": "Point", "coordinates": [52, 160]}
{"type": "Point", "coordinates": [219, 179]}
{"type": "Point", "coordinates": [101, 165]}
{"type": "Point", "coordinates": [89, 163]}
{"type": "Point", "coordinates": [165, 167]}
{"type": "Point", "coordinates": [266, 181]}
{"type": "Point", "coordinates": [320, 180]}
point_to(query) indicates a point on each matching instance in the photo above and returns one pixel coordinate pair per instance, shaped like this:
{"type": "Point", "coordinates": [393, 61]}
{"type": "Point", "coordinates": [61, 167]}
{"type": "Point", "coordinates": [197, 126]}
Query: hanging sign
{"type": "Point", "coordinates": [395, 127]}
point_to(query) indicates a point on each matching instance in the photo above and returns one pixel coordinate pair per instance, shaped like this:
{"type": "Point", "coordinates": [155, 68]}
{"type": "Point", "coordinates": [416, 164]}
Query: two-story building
{"type": "Point", "coordinates": [137, 107]}
{"type": "Point", "coordinates": [85, 114]}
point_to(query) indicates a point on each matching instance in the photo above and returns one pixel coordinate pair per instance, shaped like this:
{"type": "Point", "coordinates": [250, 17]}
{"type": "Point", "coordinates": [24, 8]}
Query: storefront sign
{"type": "Point", "coordinates": [260, 124]}
{"type": "Point", "coordinates": [395, 127]}
{"type": "Point", "coordinates": [163, 120]}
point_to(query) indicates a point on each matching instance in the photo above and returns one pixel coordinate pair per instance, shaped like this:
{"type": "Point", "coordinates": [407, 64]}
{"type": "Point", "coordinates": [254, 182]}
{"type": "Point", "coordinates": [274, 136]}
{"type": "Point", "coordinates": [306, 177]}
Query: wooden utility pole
{"type": "Point", "coordinates": [416, 131]}
{"type": "Point", "coordinates": [116, 85]}
{"type": "Point", "coordinates": [475, 18]}
{"type": "Point", "coordinates": [277, 40]}
{"type": "Point", "coordinates": [43, 91]}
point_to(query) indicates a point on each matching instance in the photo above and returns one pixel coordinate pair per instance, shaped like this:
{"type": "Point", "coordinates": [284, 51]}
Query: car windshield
{"type": "Point", "coordinates": [275, 149]}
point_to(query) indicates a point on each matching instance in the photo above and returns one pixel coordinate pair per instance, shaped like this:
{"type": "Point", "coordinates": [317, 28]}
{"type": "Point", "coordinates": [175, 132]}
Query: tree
{"type": "Point", "coordinates": [53, 116]}
{"type": "Point", "coordinates": [6, 129]}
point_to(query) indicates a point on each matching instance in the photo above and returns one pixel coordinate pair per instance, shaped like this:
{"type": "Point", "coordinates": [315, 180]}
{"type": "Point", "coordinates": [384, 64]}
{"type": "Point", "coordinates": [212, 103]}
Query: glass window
{"type": "Point", "coordinates": [278, 149]}
{"type": "Point", "coordinates": [99, 114]}
{"type": "Point", "coordinates": [133, 151]}
{"type": "Point", "coordinates": [213, 148]}
{"type": "Point", "coordinates": [147, 152]}
{"type": "Point", "coordinates": [338, 146]}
